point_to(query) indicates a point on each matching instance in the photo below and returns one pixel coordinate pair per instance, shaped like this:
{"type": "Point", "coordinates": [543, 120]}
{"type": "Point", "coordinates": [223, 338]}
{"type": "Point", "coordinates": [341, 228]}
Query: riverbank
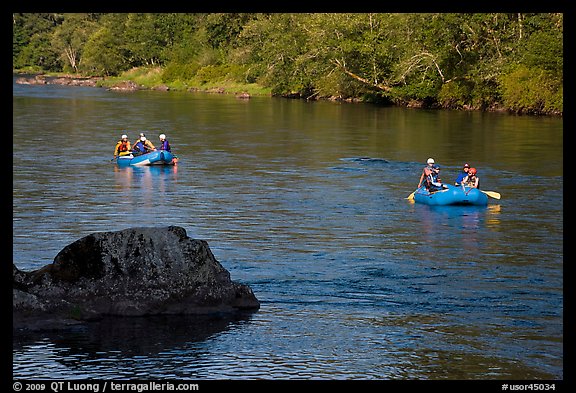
{"type": "Point", "coordinates": [151, 79]}
{"type": "Point", "coordinates": [141, 79]}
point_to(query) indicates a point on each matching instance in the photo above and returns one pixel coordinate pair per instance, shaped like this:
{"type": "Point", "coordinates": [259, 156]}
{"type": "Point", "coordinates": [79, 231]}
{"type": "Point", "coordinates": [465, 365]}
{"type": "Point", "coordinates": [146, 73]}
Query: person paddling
{"type": "Point", "coordinates": [426, 171]}
{"type": "Point", "coordinates": [122, 147]}
{"type": "Point", "coordinates": [143, 145]}
{"type": "Point", "coordinates": [433, 181]}
{"type": "Point", "coordinates": [164, 144]}
{"type": "Point", "coordinates": [472, 180]}
{"type": "Point", "coordinates": [462, 174]}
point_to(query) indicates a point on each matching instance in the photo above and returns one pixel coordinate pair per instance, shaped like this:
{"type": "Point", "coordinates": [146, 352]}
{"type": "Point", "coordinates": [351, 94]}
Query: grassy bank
{"type": "Point", "coordinates": [151, 78]}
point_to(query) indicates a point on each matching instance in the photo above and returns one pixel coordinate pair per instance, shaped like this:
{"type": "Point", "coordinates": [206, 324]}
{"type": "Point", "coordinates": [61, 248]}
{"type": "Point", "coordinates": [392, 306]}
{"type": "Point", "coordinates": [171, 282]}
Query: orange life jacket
{"type": "Point", "coordinates": [123, 146]}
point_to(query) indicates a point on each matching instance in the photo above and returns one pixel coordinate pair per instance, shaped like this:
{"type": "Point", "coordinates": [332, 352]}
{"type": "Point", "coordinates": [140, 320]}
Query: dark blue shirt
{"type": "Point", "coordinates": [460, 177]}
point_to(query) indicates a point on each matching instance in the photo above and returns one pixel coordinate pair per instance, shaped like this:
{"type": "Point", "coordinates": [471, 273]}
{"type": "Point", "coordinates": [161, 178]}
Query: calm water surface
{"type": "Point", "coordinates": [305, 203]}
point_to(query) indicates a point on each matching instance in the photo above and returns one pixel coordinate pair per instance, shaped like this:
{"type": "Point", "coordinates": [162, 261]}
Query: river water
{"type": "Point", "coordinates": [305, 203]}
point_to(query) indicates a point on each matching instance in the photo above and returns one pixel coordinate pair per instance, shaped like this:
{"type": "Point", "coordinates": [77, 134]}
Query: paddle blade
{"type": "Point", "coordinates": [493, 194]}
{"type": "Point", "coordinates": [411, 196]}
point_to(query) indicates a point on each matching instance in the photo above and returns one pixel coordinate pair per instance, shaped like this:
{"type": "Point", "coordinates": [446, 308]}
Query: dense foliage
{"type": "Point", "coordinates": [512, 61]}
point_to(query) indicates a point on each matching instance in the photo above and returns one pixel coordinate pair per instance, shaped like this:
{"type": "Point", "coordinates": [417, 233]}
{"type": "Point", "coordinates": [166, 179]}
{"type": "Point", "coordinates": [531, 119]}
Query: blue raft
{"type": "Point", "coordinates": [156, 157]}
{"type": "Point", "coordinates": [453, 195]}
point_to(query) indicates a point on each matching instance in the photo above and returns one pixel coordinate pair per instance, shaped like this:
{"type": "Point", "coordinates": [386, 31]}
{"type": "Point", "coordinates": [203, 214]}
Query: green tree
{"type": "Point", "coordinates": [31, 46]}
{"type": "Point", "coordinates": [185, 53]}
{"type": "Point", "coordinates": [70, 37]}
{"type": "Point", "coordinates": [144, 40]}
{"type": "Point", "coordinates": [451, 60]}
{"type": "Point", "coordinates": [358, 52]}
{"type": "Point", "coordinates": [534, 82]}
{"type": "Point", "coordinates": [276, 49]}
{"type": "Point", "coordinates": [104, 52]}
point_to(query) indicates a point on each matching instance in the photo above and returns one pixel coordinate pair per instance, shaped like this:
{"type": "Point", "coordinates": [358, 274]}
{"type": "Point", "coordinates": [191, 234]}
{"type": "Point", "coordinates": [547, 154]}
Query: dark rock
{"type": "Point", "coordinates": [132, 272]}
{"type": "Point", "coordinates": [293, 95]}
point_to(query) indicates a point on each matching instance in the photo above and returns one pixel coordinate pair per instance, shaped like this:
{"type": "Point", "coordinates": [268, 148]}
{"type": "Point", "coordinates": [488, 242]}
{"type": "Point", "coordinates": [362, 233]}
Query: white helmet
{"type": "Point", "coordinates": [162, 136]}
{"type": "Point", "coordinates": [124, 136]}
{"type": "Point", "coordinates": [142, 138]}
{"type": "Point", "coordinates": [430, 161]}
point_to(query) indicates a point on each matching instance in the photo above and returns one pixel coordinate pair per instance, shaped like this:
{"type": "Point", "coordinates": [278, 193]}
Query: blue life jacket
{"type": "Point", "coordinates": [139, 147]}
{"type": "Point", "coordinates": [165, 145]}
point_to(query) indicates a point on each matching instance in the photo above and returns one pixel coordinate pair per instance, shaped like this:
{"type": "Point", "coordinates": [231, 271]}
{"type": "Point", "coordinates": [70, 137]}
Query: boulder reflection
{"type": "Point", "coordinates": [132, 336]}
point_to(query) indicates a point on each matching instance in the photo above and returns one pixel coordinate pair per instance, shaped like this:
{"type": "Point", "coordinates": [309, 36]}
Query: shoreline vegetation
{"type": "Point", "coordinates": [137, 79]}
{"type": "Point", "coordinates": [510, 62]}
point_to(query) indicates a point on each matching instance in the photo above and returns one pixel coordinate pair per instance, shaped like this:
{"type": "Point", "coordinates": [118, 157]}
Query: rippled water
{"type": "Point", "coordinates": [305, 203]}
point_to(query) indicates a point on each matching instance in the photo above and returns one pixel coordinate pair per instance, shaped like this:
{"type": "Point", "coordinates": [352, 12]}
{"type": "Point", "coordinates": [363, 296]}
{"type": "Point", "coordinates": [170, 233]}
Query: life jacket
{"type": "Point", "coordinates": [123, 146]}
{"type": "Point", "coordinates": [432, 182]}
{"type": "Point", "coordinates": [165, 145]}
{"type": "Point", "coordinates": [471, 181]}
{"type": "Point", "coordinates": [139, 146]}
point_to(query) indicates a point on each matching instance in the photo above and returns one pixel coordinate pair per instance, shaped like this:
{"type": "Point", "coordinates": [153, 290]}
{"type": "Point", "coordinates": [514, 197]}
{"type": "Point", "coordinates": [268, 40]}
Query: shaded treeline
{"type": "Point", "coordinates": [510, 61]}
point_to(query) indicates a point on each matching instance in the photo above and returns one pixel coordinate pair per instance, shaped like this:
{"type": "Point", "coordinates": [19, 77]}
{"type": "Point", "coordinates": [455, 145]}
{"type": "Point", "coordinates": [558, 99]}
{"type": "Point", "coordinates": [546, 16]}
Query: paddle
{"type": "Point", "coordinates": [411, 196]}
{"type": "Point", "coordinates": [122, 154]}
{"type": "Point", "coordinates": [492, 194]}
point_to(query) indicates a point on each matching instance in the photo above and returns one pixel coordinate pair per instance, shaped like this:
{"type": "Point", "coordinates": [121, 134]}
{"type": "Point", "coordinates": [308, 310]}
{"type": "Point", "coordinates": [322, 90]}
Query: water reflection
{"type": "Point", "coordinates": [148, 174]}
{"type": "Point", "coordinates": [128, 337]}
{"type": "Point", "coordinates": [143, 185]}
{"type": "Point", "coordinates": [493, 216]}
{"type": "Point", "coordinates": [457, 229]}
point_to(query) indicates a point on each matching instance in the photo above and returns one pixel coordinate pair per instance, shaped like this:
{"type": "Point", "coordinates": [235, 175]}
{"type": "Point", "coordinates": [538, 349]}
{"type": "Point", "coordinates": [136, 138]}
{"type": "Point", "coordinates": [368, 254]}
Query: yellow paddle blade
{"type": "Point", "coordinates": [493, 194]}
{"type": "Point", "coordinates": [411, 196]}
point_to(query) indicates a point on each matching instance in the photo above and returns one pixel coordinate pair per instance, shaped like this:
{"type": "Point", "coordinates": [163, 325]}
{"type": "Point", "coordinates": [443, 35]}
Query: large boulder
{"type": "Point", "coordinates": [132, 272]}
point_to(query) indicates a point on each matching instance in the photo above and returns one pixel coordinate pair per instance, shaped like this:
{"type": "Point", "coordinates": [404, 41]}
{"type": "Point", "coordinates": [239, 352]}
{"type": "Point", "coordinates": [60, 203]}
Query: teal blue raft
{"type": "Point", "coordinates": [156, 157]}
{"type": "Point", "coordinates": [453, 195]}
